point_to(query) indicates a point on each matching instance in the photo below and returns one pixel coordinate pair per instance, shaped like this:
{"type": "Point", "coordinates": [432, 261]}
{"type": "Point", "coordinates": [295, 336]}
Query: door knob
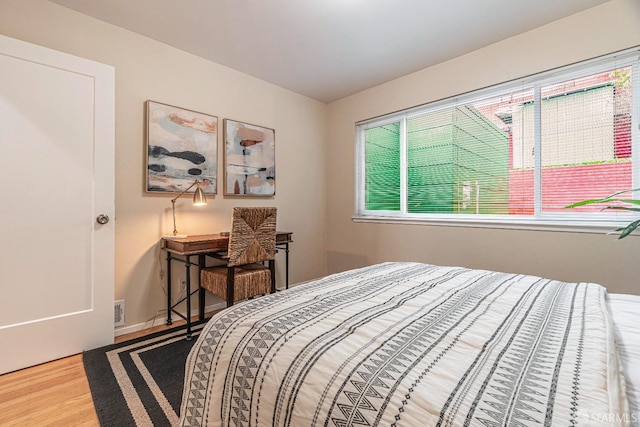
{"type": "Point", "coordinates": [102, 219]}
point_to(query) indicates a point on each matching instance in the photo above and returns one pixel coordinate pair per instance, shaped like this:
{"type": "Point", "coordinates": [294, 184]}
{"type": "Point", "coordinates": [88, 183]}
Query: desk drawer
{"type": "Point", "coordinates": [203, 243]}
{"type": "Point", "coordinates": [196, 246]}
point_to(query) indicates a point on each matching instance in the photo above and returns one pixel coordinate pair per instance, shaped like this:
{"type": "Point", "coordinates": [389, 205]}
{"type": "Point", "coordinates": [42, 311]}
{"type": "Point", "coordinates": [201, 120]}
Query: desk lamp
{"type": "Point", "coordinates": [199, 199]}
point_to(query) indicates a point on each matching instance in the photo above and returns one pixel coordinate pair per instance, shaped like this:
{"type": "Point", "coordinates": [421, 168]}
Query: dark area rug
{"type": "Point", "coordinates": [139, 382]}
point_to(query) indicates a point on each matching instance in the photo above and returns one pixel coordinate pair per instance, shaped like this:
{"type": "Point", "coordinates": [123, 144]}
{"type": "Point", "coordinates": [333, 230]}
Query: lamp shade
{"type": "Point", "coordinates": [199, 198]}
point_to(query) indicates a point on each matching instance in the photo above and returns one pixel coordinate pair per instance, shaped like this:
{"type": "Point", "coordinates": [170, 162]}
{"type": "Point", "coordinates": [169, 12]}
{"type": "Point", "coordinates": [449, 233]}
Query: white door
{"type": "Point", "coordinates": [56, 177]}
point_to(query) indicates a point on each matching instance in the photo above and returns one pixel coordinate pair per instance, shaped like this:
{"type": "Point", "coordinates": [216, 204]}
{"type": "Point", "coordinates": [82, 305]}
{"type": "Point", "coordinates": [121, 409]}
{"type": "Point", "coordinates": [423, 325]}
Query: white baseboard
{"type": "Point", "coordinates": [162, 320]}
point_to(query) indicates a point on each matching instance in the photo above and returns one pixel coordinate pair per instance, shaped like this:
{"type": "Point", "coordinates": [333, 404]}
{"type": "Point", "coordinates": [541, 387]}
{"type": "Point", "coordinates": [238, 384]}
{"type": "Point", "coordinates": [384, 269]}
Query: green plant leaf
{"type": "Point", "coordinates": [623, 208]}
{"type": "Point", "coordinates": [618, 205]}
{"type": "Point", "coordinates": [585, 202]}
{"type": "Point", "coordinates": [628, 201]}
{"type": "Point", "coordinates": [625, 231]}
{"type": "Point", "coordinates": [622, 192]}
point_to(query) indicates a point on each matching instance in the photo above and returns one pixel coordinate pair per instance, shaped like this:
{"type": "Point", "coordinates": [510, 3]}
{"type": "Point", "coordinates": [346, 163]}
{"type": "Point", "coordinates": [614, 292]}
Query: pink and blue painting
{"type": "Point", "coordinates": [182, 147]}
{"type": "Point", "coordinates": [250, 166]}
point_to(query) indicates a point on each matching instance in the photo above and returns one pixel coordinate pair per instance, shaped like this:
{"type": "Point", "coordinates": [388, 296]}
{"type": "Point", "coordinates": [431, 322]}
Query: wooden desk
{"type": "Point", "coordinates": [200, 245]}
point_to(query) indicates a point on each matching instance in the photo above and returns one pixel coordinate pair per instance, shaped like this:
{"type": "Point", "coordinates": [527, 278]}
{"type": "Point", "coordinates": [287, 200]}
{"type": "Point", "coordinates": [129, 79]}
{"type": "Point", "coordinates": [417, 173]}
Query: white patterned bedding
{"type": "Point", "coordinates": [409, 344]}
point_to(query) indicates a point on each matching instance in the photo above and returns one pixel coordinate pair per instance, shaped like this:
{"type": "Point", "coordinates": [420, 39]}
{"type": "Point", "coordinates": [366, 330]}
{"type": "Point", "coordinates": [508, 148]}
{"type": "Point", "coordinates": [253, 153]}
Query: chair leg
{"type": "Point", "coordinates": [272, 270]}
{"type": "Point", "coordinates": [230, 285]}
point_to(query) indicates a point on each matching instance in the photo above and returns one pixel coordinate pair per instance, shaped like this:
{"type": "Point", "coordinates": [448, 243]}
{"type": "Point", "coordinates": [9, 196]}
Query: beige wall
{"type": "Point", "coordinates": [146, 69]}
{"type": "Point", "coordinates": [315, 198]}
{"type": "Point", "coordinates": [566, 256]}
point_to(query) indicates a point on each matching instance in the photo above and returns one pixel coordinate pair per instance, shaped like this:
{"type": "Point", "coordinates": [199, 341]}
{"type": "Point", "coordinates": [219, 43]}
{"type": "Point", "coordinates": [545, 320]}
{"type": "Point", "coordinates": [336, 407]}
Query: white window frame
{"type": "Point", "coordinates": [569, 221]}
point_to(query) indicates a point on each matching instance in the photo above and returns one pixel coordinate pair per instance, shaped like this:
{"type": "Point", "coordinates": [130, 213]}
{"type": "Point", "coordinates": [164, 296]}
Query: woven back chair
{"type": "Point", "coordinates": [252, 240]}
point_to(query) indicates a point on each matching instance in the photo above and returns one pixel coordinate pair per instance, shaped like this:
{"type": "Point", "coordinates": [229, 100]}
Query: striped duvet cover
{"type": "Point", "coordinates": [410, 344]}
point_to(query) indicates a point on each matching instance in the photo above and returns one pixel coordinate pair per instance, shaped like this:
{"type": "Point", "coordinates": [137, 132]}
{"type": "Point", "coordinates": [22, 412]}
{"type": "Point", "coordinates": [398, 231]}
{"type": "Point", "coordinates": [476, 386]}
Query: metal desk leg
{"type": "Point", "coordinates": [187, 265]}
{"type": "Point", "coordinates": [169, 322]}
{"type": "Point", "coordinates": [286, 265]}
{"type": "Point", "coordinates": [201, 294]}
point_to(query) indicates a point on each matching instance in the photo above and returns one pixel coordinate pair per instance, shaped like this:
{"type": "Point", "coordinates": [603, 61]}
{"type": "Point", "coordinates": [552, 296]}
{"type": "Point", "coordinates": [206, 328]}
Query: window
{"type": "Point", "coordinates": [516, 153]}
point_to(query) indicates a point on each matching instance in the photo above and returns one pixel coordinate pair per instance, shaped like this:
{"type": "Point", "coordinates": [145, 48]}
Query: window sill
{"type": "Point", "coordinates": [595, 227]}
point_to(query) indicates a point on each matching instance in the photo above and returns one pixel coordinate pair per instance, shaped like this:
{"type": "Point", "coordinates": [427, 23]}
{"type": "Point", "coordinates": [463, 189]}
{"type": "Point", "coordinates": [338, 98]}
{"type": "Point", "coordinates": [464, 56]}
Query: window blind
{"type": "Point", "coordinates": [522, 150]}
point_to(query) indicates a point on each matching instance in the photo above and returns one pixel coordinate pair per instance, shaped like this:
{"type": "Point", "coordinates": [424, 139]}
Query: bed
{"type": "Point", "coordinates": [411, 344]}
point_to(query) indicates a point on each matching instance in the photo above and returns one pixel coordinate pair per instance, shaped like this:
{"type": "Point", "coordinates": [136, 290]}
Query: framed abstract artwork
{"type": "Point", "coordinates": [182, 146]}
{"type": "Point", "coordinates": [249, 159]}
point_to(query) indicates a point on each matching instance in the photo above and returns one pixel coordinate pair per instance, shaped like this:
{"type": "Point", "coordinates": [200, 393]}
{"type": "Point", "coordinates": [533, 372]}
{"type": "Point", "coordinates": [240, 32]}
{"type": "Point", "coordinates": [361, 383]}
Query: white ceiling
{"type": "Point", "coordinates": [328, 49]}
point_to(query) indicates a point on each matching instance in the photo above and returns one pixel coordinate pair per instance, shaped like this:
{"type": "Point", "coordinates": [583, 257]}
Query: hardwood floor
{"type": "Point", "coordinates": [52, 394]}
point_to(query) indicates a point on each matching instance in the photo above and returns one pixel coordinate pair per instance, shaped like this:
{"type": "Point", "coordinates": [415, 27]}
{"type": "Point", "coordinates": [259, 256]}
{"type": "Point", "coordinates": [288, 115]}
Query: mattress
{"type": "Point", "coordinates": [410, 344]}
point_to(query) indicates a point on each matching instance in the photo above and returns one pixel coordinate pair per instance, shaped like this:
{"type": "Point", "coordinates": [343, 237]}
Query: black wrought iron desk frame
{"type": "Point", "coordinates": [183, 249]}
